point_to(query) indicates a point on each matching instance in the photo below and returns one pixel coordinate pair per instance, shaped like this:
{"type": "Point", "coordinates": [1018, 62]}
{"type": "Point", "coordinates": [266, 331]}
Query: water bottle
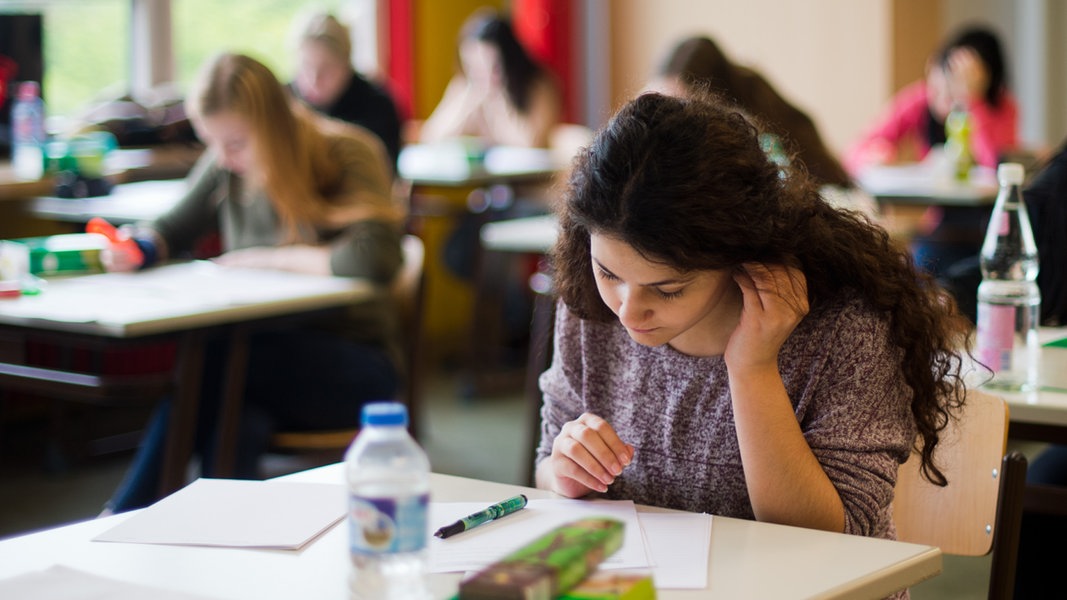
{"type": "Point", "coordinates": [958, 143]}
{"type": "Point", "coordinates": [1009, 301]}
{"type": "Point", "coordinates": [27, 132]}
{"type": "Point", "coordinates": [389, 492]}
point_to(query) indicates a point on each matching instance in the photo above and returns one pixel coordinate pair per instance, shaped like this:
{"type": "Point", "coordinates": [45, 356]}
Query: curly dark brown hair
{"type": "Point", "coordinates": [685, 182]}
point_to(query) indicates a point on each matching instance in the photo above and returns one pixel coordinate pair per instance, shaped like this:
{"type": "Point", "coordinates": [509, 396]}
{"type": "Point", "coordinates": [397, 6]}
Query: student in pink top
{"type": "Point", "coordinates": [968, 71]}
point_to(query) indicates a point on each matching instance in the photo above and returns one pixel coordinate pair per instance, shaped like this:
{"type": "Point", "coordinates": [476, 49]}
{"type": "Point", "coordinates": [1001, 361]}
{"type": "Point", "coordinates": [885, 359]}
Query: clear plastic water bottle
{"type": "Point", "coordinates": [1009, 301]}
{"type": "Point", "coordinates": [389, 492]}
{"type": "Point", "coordinates": [27, 132]}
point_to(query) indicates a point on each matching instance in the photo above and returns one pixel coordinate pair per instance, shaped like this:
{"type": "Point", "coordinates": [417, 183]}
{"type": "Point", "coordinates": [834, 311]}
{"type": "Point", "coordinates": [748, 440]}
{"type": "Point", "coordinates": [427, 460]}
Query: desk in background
{"type": "Point", "coordinates": [447, 189]}
{"type": "Point", "coordinates": [123, 166]}
{"type": "Point", "coordinates": [127, 203]}
{"type": "Point", "coordinates": [747, 559]}
{"type": "Point", "coordinates": [181, 303]}
{"type": "Point", "coordinates": [1041, 416]}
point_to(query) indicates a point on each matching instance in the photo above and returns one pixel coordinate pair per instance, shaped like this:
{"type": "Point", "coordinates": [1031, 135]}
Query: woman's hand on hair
{"type": "Point", "coordinates": [775, 299]}
{"type": "Point", "coordinates": [586, 457]}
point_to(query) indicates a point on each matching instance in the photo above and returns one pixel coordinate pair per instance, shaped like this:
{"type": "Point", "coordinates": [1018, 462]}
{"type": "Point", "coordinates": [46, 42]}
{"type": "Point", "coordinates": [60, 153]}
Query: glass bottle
{"type": "Point", "coordinates": [1009, 301]}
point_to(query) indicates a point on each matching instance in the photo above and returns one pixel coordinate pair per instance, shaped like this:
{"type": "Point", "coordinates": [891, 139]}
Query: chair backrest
{"type": "Point", "coordinates": [408, 291]}
{"type": "Point", "coordinates": [980, 510]}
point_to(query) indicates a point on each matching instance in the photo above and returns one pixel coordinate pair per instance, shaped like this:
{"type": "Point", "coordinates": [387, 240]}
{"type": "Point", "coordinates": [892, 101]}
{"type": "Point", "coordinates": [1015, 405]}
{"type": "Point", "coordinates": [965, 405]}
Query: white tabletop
{"type": "Point", "coordinates": [527, 234]}
{"type": "Point", "coordinates": [747, 559]}
{"type": "Point", "coordinates": [174, 298]}
{"type": "Point", "coordinates": [924, 184]}
{"type": "Point", "coordinates": [1048, 404]}
{"type": "Point", "coordinates": [449, 164]}
{"type": "Point", "coordinates": [127, 203]}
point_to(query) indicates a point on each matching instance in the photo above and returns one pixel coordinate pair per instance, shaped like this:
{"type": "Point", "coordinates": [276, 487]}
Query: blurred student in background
{"type": "Point", "coordinates": [697, 62]}
{"type": "Point", "coordinates": [969, 72]}
{"type": "Point", "coordinates": [326, 80]}
{"type": "Point", "coordinates": [500, 94]}
{"type": "Point", "coordinates": [286, 189]}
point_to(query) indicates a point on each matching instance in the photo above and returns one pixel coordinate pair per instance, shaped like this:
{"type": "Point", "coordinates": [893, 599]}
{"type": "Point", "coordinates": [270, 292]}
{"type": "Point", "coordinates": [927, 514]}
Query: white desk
{"type": "Point", "coordinates": [182, 302]}
{"type": "Point", "coordinates": [127, 203]}
{"type": "Point", "coordinates": [921, 184]}
{"type": "Point", "coordinates": [448, 164]}
{"type": "Point", "coordinates": [1042, 414]}
{"type": "Point", "coordinates": [747, 559]}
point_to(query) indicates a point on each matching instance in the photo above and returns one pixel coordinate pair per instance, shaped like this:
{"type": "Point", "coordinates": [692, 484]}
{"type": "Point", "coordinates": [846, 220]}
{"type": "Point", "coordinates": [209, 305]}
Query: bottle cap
{"type": "Point", "coordinates": [29, 90]}
{"type": "Point", "coordinates": [1010, 174]}
{"type": "Point", "coordinates": [385, 413]}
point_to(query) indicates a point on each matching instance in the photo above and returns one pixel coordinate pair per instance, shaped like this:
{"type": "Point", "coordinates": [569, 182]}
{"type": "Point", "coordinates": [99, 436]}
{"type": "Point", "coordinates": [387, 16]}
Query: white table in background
{"type": "Point", "coordinates": [183, 302]}
{"type": "Point", "coordinates": [747, 559]}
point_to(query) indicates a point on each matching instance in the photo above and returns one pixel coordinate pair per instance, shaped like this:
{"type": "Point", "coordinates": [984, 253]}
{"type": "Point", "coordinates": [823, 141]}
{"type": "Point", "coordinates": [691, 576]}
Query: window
{"type": "Point", "coordinates": [259, 28]}
{"type": "Point", "coordinates": [85, 49]}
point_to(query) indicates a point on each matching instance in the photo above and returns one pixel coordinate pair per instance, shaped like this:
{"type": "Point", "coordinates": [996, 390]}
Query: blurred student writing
{"type": "Point", "coordinates": [286, 189]}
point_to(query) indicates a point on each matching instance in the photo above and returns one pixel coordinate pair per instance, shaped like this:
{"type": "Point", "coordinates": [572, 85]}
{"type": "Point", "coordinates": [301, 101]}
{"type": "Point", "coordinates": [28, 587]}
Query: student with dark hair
{"type": "Point", "coordinates": [501, 94]}
{"type": "Point", "coordinates": [697, 62]}
{"type": "Point", "coordinates": [968, 72]}
{"type": "Point", "coordinates": [729, 343]}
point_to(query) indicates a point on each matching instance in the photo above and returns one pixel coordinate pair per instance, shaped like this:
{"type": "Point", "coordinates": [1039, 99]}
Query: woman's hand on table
{"type": "Point", "coordinates": [587, 456]}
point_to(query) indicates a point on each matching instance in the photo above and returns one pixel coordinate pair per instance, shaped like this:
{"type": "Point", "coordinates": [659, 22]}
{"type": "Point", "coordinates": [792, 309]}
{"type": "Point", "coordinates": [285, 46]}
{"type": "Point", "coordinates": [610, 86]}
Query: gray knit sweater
{"type": "Point", "coordinates": [842, 375]}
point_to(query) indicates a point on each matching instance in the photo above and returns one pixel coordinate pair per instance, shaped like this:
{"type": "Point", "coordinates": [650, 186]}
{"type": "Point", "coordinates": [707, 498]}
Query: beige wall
{"type": "Point", "coordinates": [829, 57]}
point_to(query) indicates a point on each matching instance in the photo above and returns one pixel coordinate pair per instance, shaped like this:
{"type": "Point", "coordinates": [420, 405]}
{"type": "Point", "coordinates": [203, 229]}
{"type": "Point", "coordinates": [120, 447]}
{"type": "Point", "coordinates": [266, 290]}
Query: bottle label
{"type": "Point", "coordinates": [996, 335]}
{"type": "Point", "coordinates": [1003, 223]}
{"type": "Point", "coordinates": [387, 525]}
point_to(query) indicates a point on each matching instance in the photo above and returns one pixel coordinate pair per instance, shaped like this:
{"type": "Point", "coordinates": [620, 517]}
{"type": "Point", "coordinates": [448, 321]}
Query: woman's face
{"type": "Point", "coordinates": [230, 136]}
{"type": "Point", "coordinates": [321, 75]}
{"type": "Point", "coordinates": [658, 304]}
{"type": "Point", "coordinates": [481, 63]}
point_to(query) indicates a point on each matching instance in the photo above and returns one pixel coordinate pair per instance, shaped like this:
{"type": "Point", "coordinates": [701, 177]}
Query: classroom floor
{"type": "Point", "coordinates": [468, 436]}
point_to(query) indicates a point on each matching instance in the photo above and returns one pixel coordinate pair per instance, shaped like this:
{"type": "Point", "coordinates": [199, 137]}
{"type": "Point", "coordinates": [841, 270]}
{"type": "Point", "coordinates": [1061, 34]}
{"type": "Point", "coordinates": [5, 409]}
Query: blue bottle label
{"type": "Point", "coordinates": [387, 525]}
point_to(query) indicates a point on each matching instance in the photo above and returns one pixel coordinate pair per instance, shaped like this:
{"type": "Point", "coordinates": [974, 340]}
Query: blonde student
{"type": "Point", "coordinates": [284, 189]}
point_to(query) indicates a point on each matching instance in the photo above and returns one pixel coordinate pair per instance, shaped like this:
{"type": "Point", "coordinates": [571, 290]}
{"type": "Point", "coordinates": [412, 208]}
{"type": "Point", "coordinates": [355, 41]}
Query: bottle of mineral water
{"type": "Point", "coordinates": [389, 491]}
{"type": "Point", "coordinates": [1009, 301]}
{"type": "Point", "coordinates": [27, 132]}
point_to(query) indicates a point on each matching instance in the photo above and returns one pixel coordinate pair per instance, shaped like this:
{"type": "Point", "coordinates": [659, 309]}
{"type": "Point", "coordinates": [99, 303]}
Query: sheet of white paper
{"type": "Point", "coordinates": [59, 582]}
{"type": "Point", "coordinates": [236, 513]}
{"type": "Point", "coordinates": [478, 548]}
{"type": "Point", "coordinates": [678, 544]}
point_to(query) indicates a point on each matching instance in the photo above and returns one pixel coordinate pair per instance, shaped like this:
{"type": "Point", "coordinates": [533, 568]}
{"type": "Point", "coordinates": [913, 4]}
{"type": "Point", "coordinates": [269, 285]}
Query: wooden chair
{"type": "Point", "coordinates": [980, 509]}
{"type": "Point", "coordinates": [408, 291]}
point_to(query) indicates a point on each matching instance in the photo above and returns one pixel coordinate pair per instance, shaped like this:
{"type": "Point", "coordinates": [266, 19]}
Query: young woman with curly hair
{"type": "Point", "coordinates": [727, 342]}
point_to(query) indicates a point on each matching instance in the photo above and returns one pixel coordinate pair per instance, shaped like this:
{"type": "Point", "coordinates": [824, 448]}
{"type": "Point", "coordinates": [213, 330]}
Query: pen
{"type": "Point", "coordinates": [495, 511]}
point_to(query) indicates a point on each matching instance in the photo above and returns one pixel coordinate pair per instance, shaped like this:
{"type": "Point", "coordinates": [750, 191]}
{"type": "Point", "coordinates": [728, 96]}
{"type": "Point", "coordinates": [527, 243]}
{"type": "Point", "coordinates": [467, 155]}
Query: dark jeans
{"type": "Point", "coordinates": [1042, 540]}
{"type": "Point", "coordinates": [296, 380]}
